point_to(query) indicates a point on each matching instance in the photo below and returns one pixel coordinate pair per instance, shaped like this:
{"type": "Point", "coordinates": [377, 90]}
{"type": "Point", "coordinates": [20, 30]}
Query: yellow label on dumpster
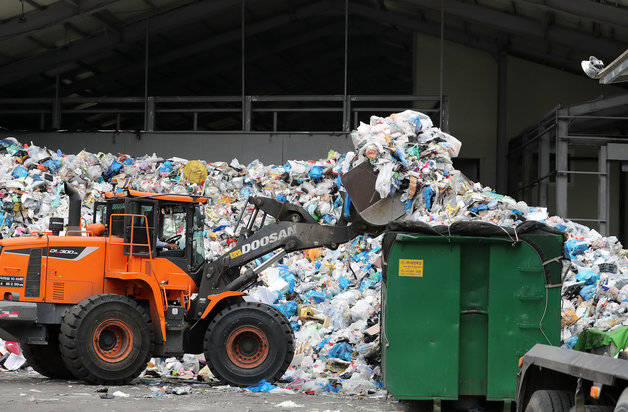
{"type": "Point", "coordinates": [411, 267]}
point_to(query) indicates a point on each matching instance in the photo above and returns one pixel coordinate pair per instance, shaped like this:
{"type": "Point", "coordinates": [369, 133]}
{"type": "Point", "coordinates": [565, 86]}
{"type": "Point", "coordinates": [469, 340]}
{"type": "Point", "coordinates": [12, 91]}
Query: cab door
{"type": "Point", "coordinates": [135, 226]}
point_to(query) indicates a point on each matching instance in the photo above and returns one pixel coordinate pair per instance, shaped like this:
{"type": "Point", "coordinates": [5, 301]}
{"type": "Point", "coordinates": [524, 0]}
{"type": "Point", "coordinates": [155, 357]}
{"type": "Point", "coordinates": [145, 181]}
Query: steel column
{"type": "Point", "coordinates": [56, 114]}
{"type": "Point", "coordinates": [444, 114]}
{"type": "Point", "coordinates": [150, 114]}
{"type": "Point", "coordinates": [502, 138]}
{"type": "Point", "coordinates": [544, 168]}
{"type": "Point", "coordinates": [562, 164]}
{"type": "Point", "coordinates": [246, 113]}
{"type": "Point", "coordinates": [603, 190]}
{"type": "Point", "coordinates": [346, 114]}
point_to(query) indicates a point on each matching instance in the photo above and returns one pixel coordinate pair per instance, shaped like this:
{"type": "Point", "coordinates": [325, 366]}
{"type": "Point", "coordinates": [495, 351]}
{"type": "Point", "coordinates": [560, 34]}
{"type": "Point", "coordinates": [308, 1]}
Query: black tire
{"type": "Point", "coordinates": [622, 402]}
{"type": "Point", "coordinates": [550, 401]}
{"type": "Point", "coordinates": [247, 342]}
{"type": "Point", "coordinates": [594, 408]}
{"type": "Point", "coordinates": [106, 339]}
{"type": "Point", "coordinates": [46, 359]}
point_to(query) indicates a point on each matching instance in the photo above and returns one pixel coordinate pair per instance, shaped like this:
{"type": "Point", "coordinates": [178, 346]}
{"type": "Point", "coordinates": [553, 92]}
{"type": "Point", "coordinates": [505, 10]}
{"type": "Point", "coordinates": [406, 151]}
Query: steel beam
{"type": "Point", "coordinates": [524, 26]}
{"type": "Point", "coordinates": [136, 31]}
{"type": "Point", "coordinates": [410, 23]}
{"type": "Point", "coordinates": [603, 104]}
{"type": "Point", "coordinates": [484, 43]}
{"type": "Point", "coordinates": [589, 10]}
{"type": "Point", "coordinates": [55, 14]}
{"type": "Point", "coordinates": [202, 46]}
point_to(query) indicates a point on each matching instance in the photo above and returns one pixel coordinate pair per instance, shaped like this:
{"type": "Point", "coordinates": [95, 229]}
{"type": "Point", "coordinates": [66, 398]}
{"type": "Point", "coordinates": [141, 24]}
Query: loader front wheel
{"type": "Point", "coordinates": [106, 339]}
{"type": "Point", "coordinates": [46, 359]}
{"type": "Point", "coordinates": [247, 342]}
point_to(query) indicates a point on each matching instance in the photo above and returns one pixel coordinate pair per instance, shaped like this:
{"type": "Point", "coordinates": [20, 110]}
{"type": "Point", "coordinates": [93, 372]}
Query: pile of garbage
{"type": "Point", "coordinates": [331, 297]}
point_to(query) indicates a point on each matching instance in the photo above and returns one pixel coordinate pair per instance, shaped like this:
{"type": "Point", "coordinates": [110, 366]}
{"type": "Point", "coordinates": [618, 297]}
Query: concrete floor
{"type": "Point", "coordinates": [26, 391]}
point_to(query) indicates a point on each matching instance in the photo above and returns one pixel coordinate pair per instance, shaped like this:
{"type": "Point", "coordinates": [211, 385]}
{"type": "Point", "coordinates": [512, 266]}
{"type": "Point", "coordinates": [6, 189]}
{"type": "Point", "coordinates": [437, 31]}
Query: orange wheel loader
{"type": "Point", "coordinates": [97, 302]}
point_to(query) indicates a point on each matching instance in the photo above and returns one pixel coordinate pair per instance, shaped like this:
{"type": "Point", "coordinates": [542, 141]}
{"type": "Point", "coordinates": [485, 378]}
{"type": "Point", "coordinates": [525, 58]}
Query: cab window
{"type": "Point", "coordinates": [173, 223]}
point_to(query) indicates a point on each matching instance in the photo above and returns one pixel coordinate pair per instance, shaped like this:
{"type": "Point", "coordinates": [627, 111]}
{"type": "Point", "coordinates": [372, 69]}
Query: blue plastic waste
{"type": "Point", "coordinates": [402, 158]}
{"type": "Point", "coordinates": [347, 206]}
{"type": "Point", "coordinates": [571, 342]}
{"type": "Point", "coordinates": [343, 282]}
{"type": "Point", "coordinates": [52, 165]}
{"type": "Point", "coordinates": [574, 248]}
{"type": "Point", "coordinates": [330, 388]}
{"type": "Point", "coordinates": [428, 193]}
{"type": "Point", "coordinates": [370, 282]}
{"type": "Point", "coordinates": [113, 170]}
{"type": "Point", "coordinates": [262, 386]}
{"type": "Point", "coordinates": [587, 292]}
{"type": "Point", "coordinates": [316, 173]}
{"type": "Point", "coordinates": [19, 172]}
{"type": "Point", "coordinates": [290, 278]}
{"type": "Point", "coordinates": [323, 343]}
{"type": "Point", "coordinates": [166, 167]}
{"type": "Point", "coordinates": [328, 219]}
{"type": "Point", "coordinates": [315, 296]}
{"type": "Point", "coordinates": [288, 308]}
{"type": "Point", "coordinates": [588, 277]}
{"type": "Point", "coordinates": [11, 147]}
{"type": "Point", "coordinates": [341, 350]}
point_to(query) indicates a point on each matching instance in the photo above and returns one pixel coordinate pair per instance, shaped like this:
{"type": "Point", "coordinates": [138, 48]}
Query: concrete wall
{"type": "Point", "coordinates": [270, 148]}
{"type": "Point", "coordinates": [470, 82]}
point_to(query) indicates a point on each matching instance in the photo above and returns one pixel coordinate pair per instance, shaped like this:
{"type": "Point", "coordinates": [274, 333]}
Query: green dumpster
{"type": "Point", "coordinates": [462, 304]}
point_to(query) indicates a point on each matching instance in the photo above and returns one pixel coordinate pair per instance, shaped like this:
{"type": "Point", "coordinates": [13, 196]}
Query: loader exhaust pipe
{"type": "Point", "coordinates": [74, 212]}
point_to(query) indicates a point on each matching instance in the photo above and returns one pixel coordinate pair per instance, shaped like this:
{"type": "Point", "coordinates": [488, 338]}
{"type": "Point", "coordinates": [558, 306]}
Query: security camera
{"type": "Point", "coordinates": [592, 67]}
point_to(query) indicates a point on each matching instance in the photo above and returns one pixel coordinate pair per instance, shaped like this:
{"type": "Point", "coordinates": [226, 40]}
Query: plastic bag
{"type": "Point", "coordinates": [384, 179]}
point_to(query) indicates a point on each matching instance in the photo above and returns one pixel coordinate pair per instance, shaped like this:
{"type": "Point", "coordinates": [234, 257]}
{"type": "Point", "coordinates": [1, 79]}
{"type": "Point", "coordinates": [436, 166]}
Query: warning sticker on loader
{"type": "Point", "coordinates": [12, 281]}
{"type": "Point", "coordinates": [235, 253]}
{"type": "Point", "coordinates": [411, 267]}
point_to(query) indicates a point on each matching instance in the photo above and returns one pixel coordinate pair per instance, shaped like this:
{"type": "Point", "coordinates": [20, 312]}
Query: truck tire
{"type": "Point", "coordinates": [106, 339]}
{"type": "Point", "coordinates": [46, 359]}
{"type": "Point", "coordinates": [622, 403]}
{"type": "Point", "coordinates": [550, 401]}
{"type": "Point", "coordinates": [247, 342]}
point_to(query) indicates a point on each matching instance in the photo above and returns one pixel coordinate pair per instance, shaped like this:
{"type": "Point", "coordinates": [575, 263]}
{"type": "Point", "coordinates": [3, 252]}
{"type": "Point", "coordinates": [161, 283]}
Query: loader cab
{"type": "Point", "coordinates": [174, 219]}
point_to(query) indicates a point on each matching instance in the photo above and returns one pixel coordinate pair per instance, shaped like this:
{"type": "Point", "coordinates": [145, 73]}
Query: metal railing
{"type": "Point", "coordinates": [125, 113]}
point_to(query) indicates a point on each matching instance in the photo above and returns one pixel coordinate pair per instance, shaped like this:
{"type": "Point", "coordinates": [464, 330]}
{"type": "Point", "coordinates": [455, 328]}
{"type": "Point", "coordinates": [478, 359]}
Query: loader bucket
{"type": "Point", "coordinates": [359, 183]}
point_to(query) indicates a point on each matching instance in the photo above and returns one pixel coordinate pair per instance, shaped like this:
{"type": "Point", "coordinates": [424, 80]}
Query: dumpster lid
{"type": "Point", "coordinates": [473, 228]}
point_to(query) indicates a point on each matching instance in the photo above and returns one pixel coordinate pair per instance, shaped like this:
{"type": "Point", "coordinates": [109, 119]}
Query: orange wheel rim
{"type": "Point", "coordinates": [247, 347]}
{"type": "Point", "coordinates": [113, 340]}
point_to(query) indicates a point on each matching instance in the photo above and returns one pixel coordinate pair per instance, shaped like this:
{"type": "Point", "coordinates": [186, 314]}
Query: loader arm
{"type": "Point", "coordinates": [293, 229]}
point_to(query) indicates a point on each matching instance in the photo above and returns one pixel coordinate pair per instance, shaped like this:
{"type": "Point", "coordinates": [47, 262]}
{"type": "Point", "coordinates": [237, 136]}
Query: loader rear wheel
{"type": "Point", "coordinates": [46, 359]}
{"type": "Point", "coordinates": [106, 339]}
{"type": "Point", "coordinates": [247, 342]}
